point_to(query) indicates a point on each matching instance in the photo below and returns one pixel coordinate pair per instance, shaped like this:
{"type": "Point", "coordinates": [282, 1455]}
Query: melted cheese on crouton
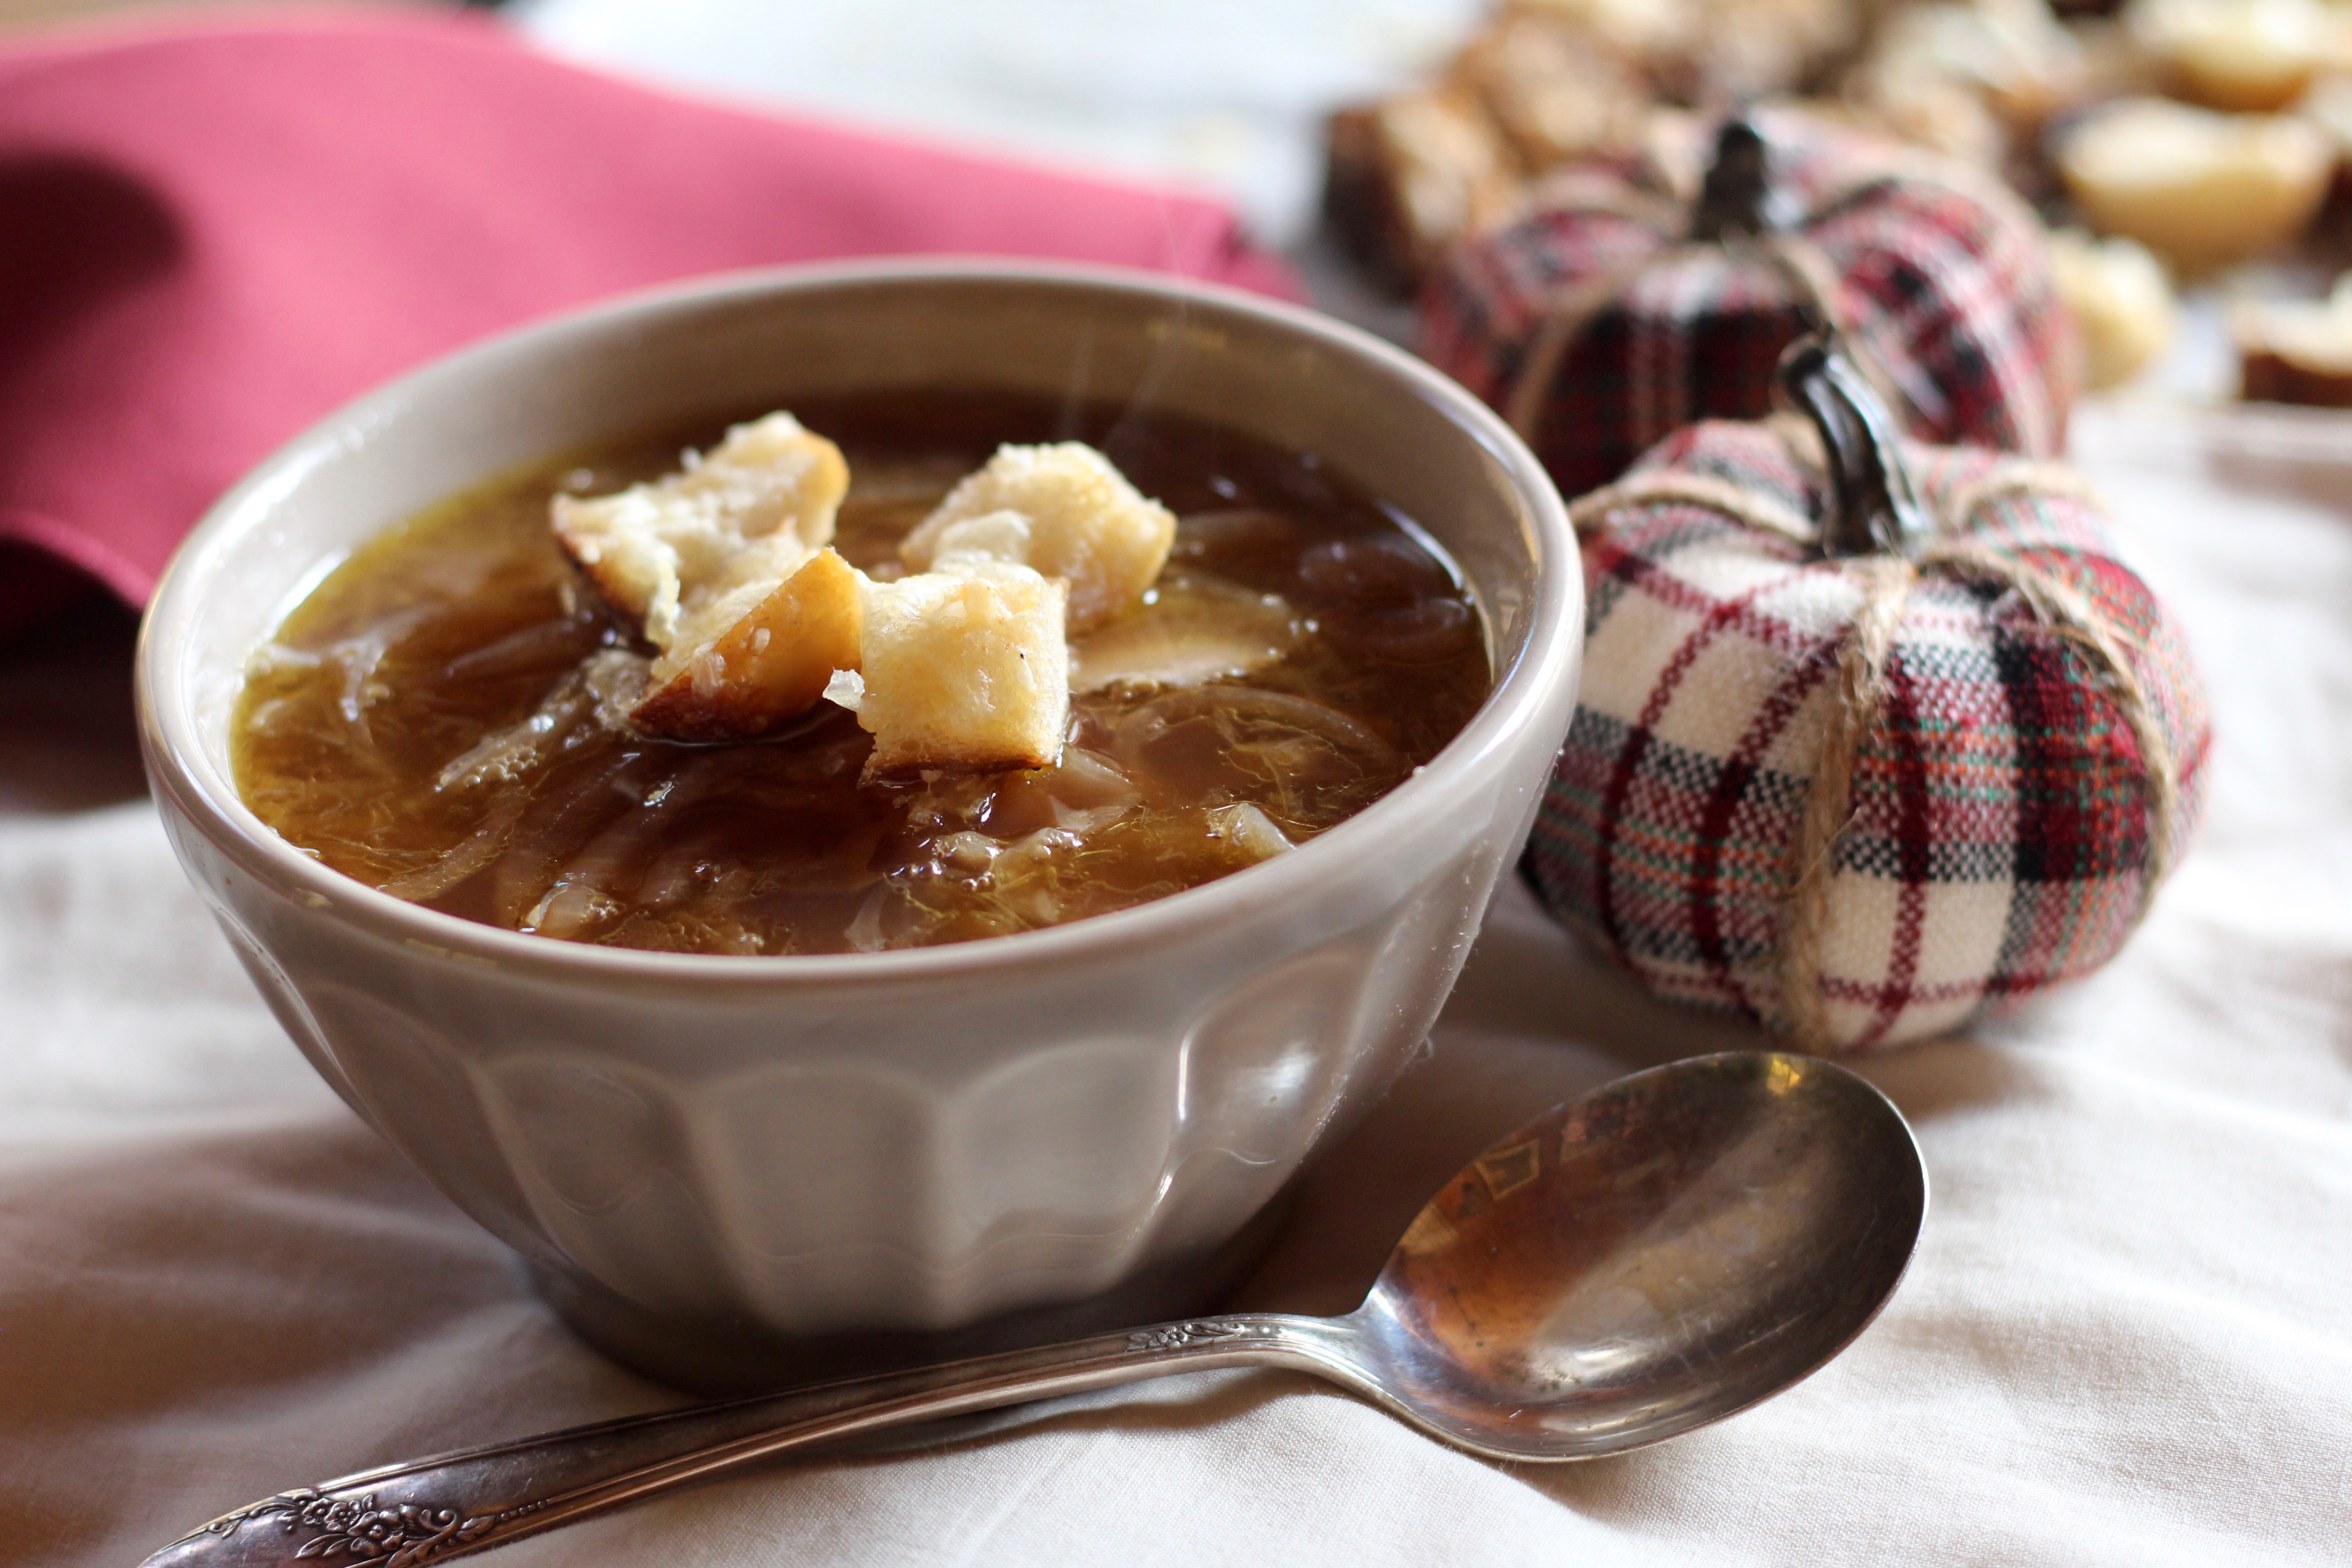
{"type": "Point", "coordinates": [1084, 524]}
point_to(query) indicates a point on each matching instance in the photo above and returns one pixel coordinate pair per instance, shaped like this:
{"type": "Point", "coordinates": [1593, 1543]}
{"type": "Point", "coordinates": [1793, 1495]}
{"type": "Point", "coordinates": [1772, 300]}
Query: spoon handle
{"type": "Point", "coordinates": [429, 1510]}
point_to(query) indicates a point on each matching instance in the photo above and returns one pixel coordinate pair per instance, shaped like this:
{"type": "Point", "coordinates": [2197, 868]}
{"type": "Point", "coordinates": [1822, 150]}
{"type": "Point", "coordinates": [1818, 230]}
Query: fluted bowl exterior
{"type": "Point", "coordinates": [728, 1170]}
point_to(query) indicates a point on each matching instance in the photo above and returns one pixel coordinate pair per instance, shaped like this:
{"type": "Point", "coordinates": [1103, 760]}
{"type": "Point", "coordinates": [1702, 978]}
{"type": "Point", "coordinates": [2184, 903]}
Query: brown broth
{"type": "Point", "coordinates": [459, 636]}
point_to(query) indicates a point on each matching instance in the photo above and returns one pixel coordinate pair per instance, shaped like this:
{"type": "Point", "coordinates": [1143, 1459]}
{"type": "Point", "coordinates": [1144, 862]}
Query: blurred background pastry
{"type": "Point", "coordinates": [2296, 351]}
{"type": "Point", "coordinates": [2122, 303]}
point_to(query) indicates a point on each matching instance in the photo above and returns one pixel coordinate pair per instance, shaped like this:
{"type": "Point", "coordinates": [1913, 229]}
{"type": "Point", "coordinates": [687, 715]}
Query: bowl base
{"type": "Point", "coordinates": [718, 1358]}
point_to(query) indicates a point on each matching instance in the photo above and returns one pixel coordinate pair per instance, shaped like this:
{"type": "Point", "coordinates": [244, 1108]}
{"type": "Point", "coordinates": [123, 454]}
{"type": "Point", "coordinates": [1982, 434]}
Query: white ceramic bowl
{"type": "Point", "coordinates": [734, 1171]}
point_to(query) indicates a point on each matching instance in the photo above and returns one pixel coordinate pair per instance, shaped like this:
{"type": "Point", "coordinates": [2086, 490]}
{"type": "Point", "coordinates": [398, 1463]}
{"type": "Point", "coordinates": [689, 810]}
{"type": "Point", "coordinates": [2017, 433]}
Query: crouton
{"type": "Point", "coordinates": [763, 665]}
{"type": "Point", "coordinates": [972, 547]}
{"type": "Point", "coordinates": [752, 509]}
{"type": "Point", "coordinates": [1077, 518]}
{"type": "Point", "coordinates": [722, 568]}
{"type": "Point", "coordinates": [963, 673]}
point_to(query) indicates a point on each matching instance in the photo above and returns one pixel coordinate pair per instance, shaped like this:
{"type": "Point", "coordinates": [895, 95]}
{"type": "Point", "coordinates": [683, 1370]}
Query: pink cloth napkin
{"type": "Point", "coordinates": [212, 235]}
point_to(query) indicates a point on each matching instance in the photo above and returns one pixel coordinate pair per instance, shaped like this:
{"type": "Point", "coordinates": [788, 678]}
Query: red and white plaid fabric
{"type": "Point", "coordinates": [1943, 284]}
{"type": "Point", "coordinates": [1999, 828]}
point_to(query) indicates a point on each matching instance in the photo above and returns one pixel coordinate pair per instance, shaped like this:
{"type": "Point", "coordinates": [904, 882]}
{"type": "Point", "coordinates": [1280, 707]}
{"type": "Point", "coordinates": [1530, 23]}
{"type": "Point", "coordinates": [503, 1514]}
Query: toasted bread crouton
{"type": "Point", "coordinates": [767, 664]}
{"type": "Point", "coordinates": [964, 673]}
{"type": "Point", "coordinates": [750, 510]}
{"type": "Point", "coordinates": [1551, 91]}
{"type": "Point", "coordinates": [1085, 524]}
{"type": "Point", "coordinates": [969, 548]}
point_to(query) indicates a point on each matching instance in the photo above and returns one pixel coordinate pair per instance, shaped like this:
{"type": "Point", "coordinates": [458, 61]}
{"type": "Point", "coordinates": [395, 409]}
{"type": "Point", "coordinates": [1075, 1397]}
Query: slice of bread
{"type": "Point", "coordinates": [2296, 351]}
{"type": "Point", "coordinates": [964, 672]}
{"type": "Point", "coordinates": [766, 664]}
{"type": "Point", "coordinates": [1076, 518]}
{"type": "Point", "coordinates": [1411, 176]}
{"type": "Point", "coordinates": [2241, 55]}
{"type": "Point", "coordinates": [750, 510]}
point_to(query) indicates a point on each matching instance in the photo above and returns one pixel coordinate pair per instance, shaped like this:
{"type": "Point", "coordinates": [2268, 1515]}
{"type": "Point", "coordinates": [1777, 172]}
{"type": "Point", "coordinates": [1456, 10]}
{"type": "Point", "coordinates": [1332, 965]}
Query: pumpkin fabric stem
{"type": "Point", "coordinates": [1873, 507]}
{"type": "Point", "coordinates": [1736, 198]}
{"type": "Point", "coordinates": [1738, 210]}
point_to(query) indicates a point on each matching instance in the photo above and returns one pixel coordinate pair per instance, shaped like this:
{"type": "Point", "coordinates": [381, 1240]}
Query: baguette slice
{"type": "Point", "coordinates": [1065, 512]}
{"type": "Point", "coordinates": [1409, 177]}
{"type": "Point", "coordinates": [2297, 352]}
{"type": "Point", "coordinates": [963, 672]}
{"type": "Point", "coordinates": [768, 664]}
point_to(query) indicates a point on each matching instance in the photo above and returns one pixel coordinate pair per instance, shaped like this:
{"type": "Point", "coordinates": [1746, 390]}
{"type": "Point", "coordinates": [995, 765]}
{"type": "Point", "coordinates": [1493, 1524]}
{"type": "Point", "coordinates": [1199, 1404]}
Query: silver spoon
{"type": "Point", "coordinates": [1660, 1254]}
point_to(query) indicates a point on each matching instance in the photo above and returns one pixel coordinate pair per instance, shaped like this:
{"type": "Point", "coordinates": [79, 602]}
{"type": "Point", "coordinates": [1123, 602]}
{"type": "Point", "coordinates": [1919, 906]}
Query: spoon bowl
{"type": "Point", "coordinates": [1663, 1252]}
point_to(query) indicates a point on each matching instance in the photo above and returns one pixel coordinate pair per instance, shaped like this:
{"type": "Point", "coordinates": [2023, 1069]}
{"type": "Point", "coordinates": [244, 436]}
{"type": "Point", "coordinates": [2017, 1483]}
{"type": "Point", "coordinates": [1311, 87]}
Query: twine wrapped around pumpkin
{"type": "Point", "coordinates": [1620, 307]}
{"type": "Point", "coordinates": [1860, 755]}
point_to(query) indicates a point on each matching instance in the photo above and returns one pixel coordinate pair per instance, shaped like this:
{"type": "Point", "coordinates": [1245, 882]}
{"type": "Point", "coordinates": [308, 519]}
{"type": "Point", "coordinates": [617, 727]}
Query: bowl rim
{"type": "Point", "coordinates": [182, 770]}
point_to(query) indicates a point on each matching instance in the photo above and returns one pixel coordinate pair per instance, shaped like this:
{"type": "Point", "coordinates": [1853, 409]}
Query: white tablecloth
{"type": "Point", "coordinates": [2126, 1339]}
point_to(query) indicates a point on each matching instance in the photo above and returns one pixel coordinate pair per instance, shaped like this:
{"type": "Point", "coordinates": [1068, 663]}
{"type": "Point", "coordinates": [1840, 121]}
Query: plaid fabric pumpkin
{"type": "Point", "coordinates": [1938, 279]}
{"type": "Point", "coordinates": [2001, 828]}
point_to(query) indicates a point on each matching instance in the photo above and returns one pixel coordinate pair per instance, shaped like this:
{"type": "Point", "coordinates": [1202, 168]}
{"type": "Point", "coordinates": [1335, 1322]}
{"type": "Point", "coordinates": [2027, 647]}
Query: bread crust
{"type": "Point", "coordinates": [2297, 351]}
{"type": "Point", "coordinates": [2268, 376]}
{"type": "Point", "coordinates": [1410, 177]}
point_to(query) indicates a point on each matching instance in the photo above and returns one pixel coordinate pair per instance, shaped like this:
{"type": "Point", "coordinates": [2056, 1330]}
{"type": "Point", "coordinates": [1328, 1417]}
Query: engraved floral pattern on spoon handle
{"type": "Point", "coordinates": [357, 1528]}
{"type": "Point", "coordinates": [1200, 1332]}
{"type": "Point", "coordinates": [406, 1516]}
